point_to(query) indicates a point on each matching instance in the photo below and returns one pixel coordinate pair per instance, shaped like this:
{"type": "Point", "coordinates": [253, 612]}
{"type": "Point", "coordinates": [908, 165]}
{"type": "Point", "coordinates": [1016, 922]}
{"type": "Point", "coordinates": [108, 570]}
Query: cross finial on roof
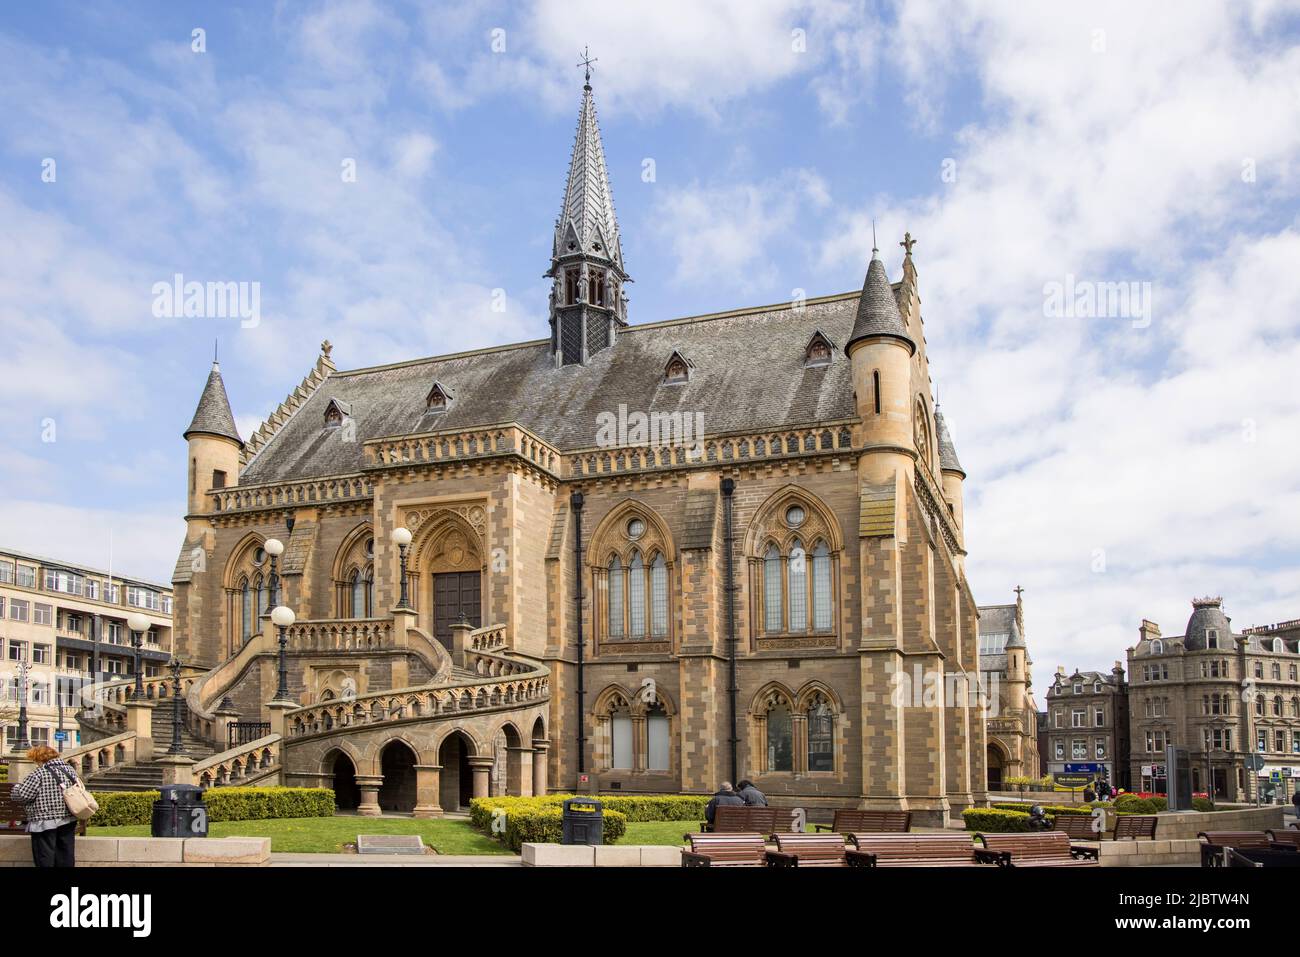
{"type": "Point", "coordinates": [1019, 591]}
{"type": "Point", "coordinates": [326, 348]}
{"type": "Point", "coordinates": [585, 63]}
{"type": "Point", "coordinates": [907, 243]}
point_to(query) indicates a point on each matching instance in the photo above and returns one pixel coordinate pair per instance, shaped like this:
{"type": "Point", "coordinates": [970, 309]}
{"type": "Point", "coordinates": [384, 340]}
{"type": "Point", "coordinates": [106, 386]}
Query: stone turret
{"type": "Point", "coordinates": [214, 445]}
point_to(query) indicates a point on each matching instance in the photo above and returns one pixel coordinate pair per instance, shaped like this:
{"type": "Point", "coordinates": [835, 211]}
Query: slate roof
{"type": "Point", "coordinates": [213, 416]}
{"type": "Point", "coordinates": [948, 461]}
{"type": "Point", "coordinates": [1001, 620]}
{"type": "Point", "coordinates": [1207, 613]}
{"type": "Point", "coordinates": [878, 313]}
{"type": "Point", "coordinates": [749, 375]}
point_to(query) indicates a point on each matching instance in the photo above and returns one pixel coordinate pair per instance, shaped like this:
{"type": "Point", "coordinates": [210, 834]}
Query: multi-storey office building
{"type": "Point", "coordinates": [67, 624]}
{"type": "Point", "coordinates": [1087, 725]}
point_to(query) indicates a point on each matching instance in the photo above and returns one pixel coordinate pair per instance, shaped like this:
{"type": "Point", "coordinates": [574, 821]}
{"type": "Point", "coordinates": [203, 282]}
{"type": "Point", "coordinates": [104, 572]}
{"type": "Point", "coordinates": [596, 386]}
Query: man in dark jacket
{"type": "Point", "coordinates": [724, 795]}
{"type": "Point", "coordinates": [751, 795]}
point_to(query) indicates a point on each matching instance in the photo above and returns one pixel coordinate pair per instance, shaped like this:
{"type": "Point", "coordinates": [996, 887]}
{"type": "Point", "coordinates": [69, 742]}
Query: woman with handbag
{"type": "Point", "coordinates": [55, 800]}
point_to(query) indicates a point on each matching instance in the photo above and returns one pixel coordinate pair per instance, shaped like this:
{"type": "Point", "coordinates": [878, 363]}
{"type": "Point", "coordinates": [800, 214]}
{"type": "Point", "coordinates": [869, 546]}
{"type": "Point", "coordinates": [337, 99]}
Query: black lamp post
{"type": "Point", "coordinates": [138, 624]}
{"type": "Point", "coordinates": [402, 538]}
{"type": "Point", "coordinates": [275, 548]}
{"type": "Point", "coordinates": [282, 617]}
{"type": "Point", "coordinates": [22, 744]}
{"type": "Point", "coordinates": [176, 747]}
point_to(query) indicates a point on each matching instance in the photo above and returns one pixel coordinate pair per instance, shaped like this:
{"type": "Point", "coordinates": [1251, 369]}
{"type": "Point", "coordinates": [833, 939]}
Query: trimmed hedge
{"type": "Point", "coordinates": [540, 819]}
{"type": "Point", "coordinates": [1051, 810]}
{"type": "Point", "coordinates": [1132, 804]}
{"type": "Point", "coordinates": [224, 804]}
{"type": "Point", "coordinates": [995, 821]}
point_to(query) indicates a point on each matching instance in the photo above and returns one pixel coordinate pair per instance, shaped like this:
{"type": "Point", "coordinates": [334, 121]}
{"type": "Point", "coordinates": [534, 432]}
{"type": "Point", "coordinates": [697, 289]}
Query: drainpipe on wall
{"type": "Point", "coordinates": [729, 587]}
{"type": "Point", "coordinates": [575, 503]}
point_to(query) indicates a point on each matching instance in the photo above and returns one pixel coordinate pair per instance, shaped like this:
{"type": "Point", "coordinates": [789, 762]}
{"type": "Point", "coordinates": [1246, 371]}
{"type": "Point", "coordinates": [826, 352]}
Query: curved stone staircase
{"type": "Point", "coordinates": [148, 776]}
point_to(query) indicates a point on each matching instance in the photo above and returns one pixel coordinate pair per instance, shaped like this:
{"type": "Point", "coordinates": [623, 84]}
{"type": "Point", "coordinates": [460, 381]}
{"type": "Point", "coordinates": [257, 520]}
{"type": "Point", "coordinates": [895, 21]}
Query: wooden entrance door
{"type": "Point", "coordinates": [455, 594]}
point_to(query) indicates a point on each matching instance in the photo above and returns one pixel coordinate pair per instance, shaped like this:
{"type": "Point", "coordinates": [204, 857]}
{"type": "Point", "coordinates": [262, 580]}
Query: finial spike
{"type": "Point", "coordinates": [874, 248]}
{"type": "Point", "coordinates": [907, 244]}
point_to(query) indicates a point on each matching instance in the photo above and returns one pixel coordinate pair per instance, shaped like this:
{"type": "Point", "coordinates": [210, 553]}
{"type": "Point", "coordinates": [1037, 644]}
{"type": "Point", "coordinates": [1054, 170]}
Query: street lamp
{"type": "Point", "coordinates": [282, 617]}
{"type": "Point", "coordinates": [138, 624]}
{"type": "Point", "coordinates": [176, 747]}
{"type": "Point", "coordinates": [402, 538]}
{"type": "Point", "coordinates": [275, 548]}
{"type": "Point", "coordinates": [22, 744]}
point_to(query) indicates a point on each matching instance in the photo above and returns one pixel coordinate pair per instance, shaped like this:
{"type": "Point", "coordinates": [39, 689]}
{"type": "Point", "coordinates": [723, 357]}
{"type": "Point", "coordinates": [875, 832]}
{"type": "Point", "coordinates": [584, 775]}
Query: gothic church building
{"type": "Point", "coordinates": [643, 557]}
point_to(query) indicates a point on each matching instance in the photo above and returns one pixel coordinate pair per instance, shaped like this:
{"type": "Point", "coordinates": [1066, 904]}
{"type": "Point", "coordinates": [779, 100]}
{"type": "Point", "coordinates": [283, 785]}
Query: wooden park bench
{"type": "Point", "coordinates": [917, 850]}
{"type": "Point", "coordinates": [1213, 844]}
{"type": "Point", "coordinates": [1284, 839]}
{"type": "Point", "coordinates": [1039, 849]}
{"type": "Point", "coordinates": [13, 816]}
{"type": "Point", "coordinates": [1254, 857]}
{"type": "Point", "coordinates": [725, 850]}
{"type": "Point", "coordinates": [1135, 826]}
{"type": "Point", "coordinates": [750, 819]}
{"type": "Point", "coordinates": [1078, 827]}
{"type": "Point", "coordinates": [854, 820]}
{"type": "Point", "coordinates": [815, 850]}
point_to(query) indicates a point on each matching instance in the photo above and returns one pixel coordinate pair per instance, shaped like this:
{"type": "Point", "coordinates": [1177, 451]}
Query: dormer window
{"type": "Point", "coordinates": [819, 351]}
{"type": "Point", "coordinates": [678, 369]}
{"type": "Point", "coordinates": [438, 399]}
{"type": "Point", "coordinates": [336, 412]}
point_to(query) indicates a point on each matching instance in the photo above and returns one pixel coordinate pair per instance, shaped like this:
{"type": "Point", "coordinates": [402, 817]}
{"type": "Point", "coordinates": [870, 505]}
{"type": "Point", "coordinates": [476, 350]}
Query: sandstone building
{"type": "Point", "coordinates": [1223, 696]}
{"type": "Point", "coordinates": [1088, 726]}
{"type": "Point", "coordinates": [644, 558]}
{"type": "Point", "coordinates": [1006, 667]}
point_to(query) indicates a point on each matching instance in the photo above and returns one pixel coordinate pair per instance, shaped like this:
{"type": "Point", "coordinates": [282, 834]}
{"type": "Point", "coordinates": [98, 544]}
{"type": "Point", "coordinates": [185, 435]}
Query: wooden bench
{"type": "Point", "coordinates": [13, 816]}
{"type": "Point", "coordinates": [1213, 844]}
{"type": "Point", "coordinates": [737, 819]}
{"type": "Point", "coordinates": [1135, 826]}
{"type": "Point", "coordinates": [851, 820]}
{"type": "Point", "coordinates": [1039, 849]}
{"type": "Point", "coordinates": [1254, 857]}
{"type": "Point", "coordinates": [917, 850]}
{"type": "Point", "coordinates": [815, 850]}
{"type": "Point", "coordinates": [1284, 839]}
{"type": "Point", "coordinates": [725, 850]}
{"type": "Point", "coordinates": [1078, 827]}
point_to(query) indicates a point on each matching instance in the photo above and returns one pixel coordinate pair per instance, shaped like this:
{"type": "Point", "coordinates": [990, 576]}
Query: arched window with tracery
{"type": "Point", "coordinates": [632, 572]}
{"type": "Point", "coordinates": [259, 606]}
{"type": "Point", "coordinates": [773, 615]}
{"type": "Point", "coordinates": [821, 734]}
{"type": "Point", "coordinates": [780, 737]}
{"type": "Point", "coordinates": [614, 626]}
{"type": "Point", "coordinates": [659, 597]}
{"type": "Point", "coordinates": [246, 616]}
{"type": "Point", "coordinates": [792, 545]}
{"type": "Point", "coordinates": [636, 610]}
{"type": "Point", "coordinates": [658, 739]}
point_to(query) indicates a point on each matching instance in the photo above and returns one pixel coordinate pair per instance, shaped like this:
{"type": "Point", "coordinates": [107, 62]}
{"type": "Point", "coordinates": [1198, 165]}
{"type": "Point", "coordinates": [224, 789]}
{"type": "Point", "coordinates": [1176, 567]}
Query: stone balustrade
{"type": "Point", "coordinates": [460, 444]}
{"type": "Point", "coordinates": [278, 495]}
{"type": "Point", "coordinates": [240, 765]}
{"type": "Point", "coordinates": [491, 638]}
{"type": "Point", "coordinates": [341, 634]}
{"type": "Point", "coordinates": [694, 450]}
{"type": "Point", "coordinates": [429, 702]}
{"type": "Point", "coordinates": [102, 754]}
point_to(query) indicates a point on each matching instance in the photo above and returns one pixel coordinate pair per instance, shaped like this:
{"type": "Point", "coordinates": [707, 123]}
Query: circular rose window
{"type": "Point", "coordinates": [635, 528]}
{"type": "Point", "coordinates": [794, 516]}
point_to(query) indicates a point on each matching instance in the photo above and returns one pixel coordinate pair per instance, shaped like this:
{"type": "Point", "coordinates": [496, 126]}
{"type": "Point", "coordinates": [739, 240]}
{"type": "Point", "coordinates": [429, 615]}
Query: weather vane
{"type": "Point", "coordinates": [586, 63]}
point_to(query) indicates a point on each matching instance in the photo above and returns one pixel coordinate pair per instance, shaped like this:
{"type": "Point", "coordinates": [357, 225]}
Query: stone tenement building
{"type": "Point", "coordinates": [643, 558]}
{"type": "Point", "coordinates": [1005, 665]}
{"type": "Point", "coordinates": [1088, 725]}
{"type": "Point", "coordinates": [1222, 696]}
{"type": "Point", "coordinates": [68, 624]}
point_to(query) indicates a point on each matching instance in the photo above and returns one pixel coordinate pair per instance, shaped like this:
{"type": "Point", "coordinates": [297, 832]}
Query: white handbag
{"type": "Point", "coordinates": [81, 803]}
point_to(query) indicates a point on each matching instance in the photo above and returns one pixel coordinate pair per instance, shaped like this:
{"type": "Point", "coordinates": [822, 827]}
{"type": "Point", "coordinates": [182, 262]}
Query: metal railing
{"type": "Point", "coordinates": [244, 732]}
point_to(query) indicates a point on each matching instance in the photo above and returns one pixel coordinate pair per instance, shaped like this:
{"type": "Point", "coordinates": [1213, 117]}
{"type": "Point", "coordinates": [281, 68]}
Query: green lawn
{"type": "Point", "coordinates": [329, 834]}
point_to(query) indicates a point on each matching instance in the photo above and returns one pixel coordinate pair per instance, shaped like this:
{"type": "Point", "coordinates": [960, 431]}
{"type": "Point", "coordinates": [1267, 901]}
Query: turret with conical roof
{"type": "Point", "coordinates": [214, 444]}
{"type": "Point", "coordinates": [952, 475]}
{"type": "Point", "coordinates": [880, 351]}
{"type": "Point", "coordinates": [588, 305]}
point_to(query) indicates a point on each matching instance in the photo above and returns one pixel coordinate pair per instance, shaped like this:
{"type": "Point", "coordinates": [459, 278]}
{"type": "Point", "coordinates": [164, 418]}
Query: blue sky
{"type": "Point", "coordinates": [1116, 469]}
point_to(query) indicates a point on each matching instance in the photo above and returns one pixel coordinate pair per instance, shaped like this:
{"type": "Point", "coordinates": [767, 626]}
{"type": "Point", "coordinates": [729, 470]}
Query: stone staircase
{"type": "Point", "coordinates": [149, 776]}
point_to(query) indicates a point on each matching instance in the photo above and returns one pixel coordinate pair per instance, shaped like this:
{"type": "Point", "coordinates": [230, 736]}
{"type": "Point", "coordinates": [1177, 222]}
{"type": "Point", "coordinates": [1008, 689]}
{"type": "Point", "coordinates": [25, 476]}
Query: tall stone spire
{"type": "Point", "coordinates": [587, 301]}
{"type": "Point", "coordinates": [878, 315]}
{"type": "Point", "coordinates": [213, 415]}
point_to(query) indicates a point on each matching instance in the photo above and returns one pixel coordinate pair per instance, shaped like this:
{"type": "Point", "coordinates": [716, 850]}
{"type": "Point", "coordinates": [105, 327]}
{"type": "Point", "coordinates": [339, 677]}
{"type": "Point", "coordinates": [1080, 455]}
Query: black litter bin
{"type": "Point", "coordinates": [180, 812]}
{"type": "Point", "coordinates": [584, 821]}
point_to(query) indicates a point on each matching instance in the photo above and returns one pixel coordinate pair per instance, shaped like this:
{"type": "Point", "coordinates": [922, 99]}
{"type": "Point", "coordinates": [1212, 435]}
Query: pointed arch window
{"type": "Point", "coordinates": [821, 734]}
{"type": "Point", "coordinates": [659, 597]}
{"type": "Point", "coordinates": [780, 738]}
{"type": "Point", "coordinates": [261, 597]}
{"type": "Point", "coordinates": [615, 622]}
{"type": "Point", "coordinates": [821, 587]}
{"type": "Point", "coordinates": [773, 618]}
{"type": "Point", "coordinates": [357, 586]}
{"type": "Point", "coordinates": [620, 733]}
{"type": "Point", "coordinates": [246, 611]}
{"type": "Point", "coordinates": [658, 751]}
{"type": "Point", "coordinates": [636, 596]}
{"type": "Point", "coordinates": [798, 576]}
